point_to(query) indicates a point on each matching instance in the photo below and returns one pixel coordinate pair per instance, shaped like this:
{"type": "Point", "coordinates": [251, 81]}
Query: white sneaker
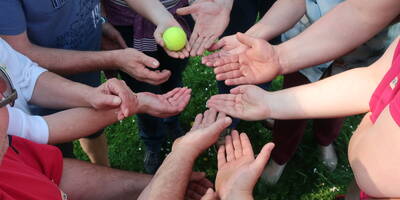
{"type": "Point", "coordinates": [272, 172]}
{"type": "Point", "coordinates": [328, 156]}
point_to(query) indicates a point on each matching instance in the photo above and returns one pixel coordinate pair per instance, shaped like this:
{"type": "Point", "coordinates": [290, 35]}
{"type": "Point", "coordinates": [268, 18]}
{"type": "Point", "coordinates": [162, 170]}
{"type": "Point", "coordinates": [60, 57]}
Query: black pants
{"type": "Point", "coordinates": [152, 130]}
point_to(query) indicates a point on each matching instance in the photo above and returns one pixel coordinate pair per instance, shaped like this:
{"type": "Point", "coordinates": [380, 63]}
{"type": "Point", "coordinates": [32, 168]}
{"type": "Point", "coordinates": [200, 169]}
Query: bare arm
{"type": "Point", "coordinates": [347, 26]}
{"type": "Point", "coordinates": [282, 16]}
{"type": "Point", "coordinates": [61, 61]}
{"type": "Point", "coordinates": [347, 93]}
{"type": "Point", "coordinates": [76, 123]}
{"type": "Point", "coordinates": [67, 62]}
{"type": "Point", "coordinates": [63, 92]}
{"type": "Point", "coordinates": [153, 10]}
{"type": "Point", "coordinates": [171, 179]}
{"type": "Point", "coordinates": [80, 122]}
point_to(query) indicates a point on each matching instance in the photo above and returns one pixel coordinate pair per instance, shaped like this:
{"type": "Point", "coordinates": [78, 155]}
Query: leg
{"type": "Point", "coordinates": [287, 135]}
{"type": "Point", "coordinates": [95, 146]}
{"type": "Point", "coordinates": [325, 132]}
{"type": "Point", "coordinates": [82, 180]}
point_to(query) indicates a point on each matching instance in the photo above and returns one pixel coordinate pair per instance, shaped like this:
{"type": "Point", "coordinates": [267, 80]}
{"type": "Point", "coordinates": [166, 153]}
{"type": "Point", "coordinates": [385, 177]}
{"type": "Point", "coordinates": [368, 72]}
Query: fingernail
{"type": "Point", "coordinates": [155, 63]}
{"type": "Point", "coordinates": [116, 100]}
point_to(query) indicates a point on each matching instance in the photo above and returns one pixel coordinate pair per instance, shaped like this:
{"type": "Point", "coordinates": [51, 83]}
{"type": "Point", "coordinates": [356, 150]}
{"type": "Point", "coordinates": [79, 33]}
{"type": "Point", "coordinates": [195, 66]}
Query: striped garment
{"type": "Point", "coordinates": [119, 14]}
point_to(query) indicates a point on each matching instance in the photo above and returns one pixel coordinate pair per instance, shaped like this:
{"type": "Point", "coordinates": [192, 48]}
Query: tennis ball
{"type": "Point", "coordinates": [174, 38]}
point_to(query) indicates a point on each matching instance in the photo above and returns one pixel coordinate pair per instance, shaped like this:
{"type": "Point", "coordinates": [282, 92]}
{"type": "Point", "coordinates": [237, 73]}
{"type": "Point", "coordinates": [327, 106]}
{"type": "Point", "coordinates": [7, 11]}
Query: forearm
{"type": "Point", "coordinates": [60, 61]}
{"type": "Point", "coordinates": [172, 178]}
{"type": "Point", "coordinates": [153, 10]}
{"type": "Point", "coordinates": [347, 26]}
{"type": "Point", "coordinates": [54, 91]}
{"type": "Point", "coordinates": [75, 123]}
{"type": "Point", "coordinates": [282, 16]}
{"type": "Point", "coordinates": [342, 95]}
{"type": "Point", "coordinates": [234, 195]}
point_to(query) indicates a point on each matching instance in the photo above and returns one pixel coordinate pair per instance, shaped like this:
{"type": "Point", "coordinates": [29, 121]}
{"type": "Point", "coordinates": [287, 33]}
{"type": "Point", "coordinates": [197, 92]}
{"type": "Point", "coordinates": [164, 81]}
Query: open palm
{"type": "Point", "coordinates": [258, 64]}
{"type": "Point", "coordinates": [211, 18]}
{"type": "Point", "coordinates": [228, 46]}
{"type": "Point", "coordinates": [166, 105]}
{"type": "Point", "coordinates": [244, 102]}
{"type": "Point", "coordinates": [238, 170]}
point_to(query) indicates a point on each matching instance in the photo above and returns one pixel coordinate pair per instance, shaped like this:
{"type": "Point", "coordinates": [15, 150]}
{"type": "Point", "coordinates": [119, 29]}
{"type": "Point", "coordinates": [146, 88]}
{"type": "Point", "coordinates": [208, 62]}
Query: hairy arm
{"type": "Point", "coordinates": [61, 61]}
{"type": "Point", "coordinates": [63, 92]}
{"type": "Point", "coordinates": [345, 94]}
{"type": "Point", "coordinates": [282, 16]}
{"type": "Point", "coordinates": [347, 26]}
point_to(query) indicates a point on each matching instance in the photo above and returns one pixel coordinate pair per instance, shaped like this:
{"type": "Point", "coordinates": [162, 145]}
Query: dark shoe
{"type": "Point", "coordinates": [152, 162]}
{"type": "Point", "coordinates": [329, 157]}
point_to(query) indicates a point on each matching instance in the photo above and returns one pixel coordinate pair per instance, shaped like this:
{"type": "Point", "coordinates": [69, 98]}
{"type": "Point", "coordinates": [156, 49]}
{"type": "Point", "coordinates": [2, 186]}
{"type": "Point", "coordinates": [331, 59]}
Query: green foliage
{"type": "Point", "coordinates": [304, 177]}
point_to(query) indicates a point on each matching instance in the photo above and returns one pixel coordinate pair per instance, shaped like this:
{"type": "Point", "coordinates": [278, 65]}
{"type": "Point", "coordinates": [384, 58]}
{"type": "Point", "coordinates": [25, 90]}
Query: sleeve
{"type": "Point", "coordinates": [12, 17]}
{"type": "Point", "coordinates": [23, 72]}
{"type": "Point", "coordinates": [33, 128]}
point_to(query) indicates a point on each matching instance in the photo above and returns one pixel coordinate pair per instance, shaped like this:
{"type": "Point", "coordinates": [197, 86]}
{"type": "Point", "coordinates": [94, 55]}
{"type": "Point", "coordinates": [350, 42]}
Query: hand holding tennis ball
{"type": "Point", "coordinates": [174, 38]}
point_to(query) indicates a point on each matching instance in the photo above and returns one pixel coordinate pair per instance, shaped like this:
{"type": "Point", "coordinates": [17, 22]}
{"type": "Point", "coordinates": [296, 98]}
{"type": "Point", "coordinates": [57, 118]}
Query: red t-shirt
{"type": "Point", "coordinates": [31, 171]}
{"type": "Point", "coordinates": [387, 92]}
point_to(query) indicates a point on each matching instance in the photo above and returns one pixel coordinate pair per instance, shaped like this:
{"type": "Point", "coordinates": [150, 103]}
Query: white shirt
{"type": "Point", "coordinates": [23, 73]}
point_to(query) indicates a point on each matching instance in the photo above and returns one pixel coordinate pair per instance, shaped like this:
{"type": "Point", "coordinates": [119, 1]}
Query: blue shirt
{"type": "Point", "coordinates": [64, 24]}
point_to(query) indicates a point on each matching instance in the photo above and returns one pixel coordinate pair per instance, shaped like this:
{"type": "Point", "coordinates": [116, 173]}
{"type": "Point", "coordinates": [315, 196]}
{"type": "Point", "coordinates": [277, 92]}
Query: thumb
{"type": "Point", "coordinates": [149, 61]}
{"type": "Point", "coordinates": [239, 89]}
{"type": "Point", "coordinates": [187, 10]}
{"type": "Point", "coordinates": [245, 39]}
{"type": "Point", "coordinates": [107, 100]}
{"type": "Point", "coordinates": [263, 156]}
{"type": "Point", "coordinates": [217, 45]}
{"type": "Point", "coordinates": [218, 126]}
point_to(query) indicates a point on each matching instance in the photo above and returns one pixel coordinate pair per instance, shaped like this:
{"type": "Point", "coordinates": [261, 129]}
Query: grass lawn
{"type": "Point", "coordinates": [304, 177]}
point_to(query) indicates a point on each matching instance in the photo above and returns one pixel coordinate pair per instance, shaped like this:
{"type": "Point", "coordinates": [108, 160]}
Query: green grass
{"type": "Point", "coordinates": [304, 177]}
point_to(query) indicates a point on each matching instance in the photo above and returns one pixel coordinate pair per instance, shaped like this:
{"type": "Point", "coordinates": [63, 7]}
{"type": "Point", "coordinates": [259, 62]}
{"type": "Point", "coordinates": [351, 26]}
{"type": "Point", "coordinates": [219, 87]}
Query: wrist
{"type": "Point", "coordinates": [183, 153]}
{"type": "Point", "coordinates": [164, 18]}
{"type": "Point", "coordinates": [258, 30]}
{"type": "Point", "coordinates": [141, 103]}
{"type": "Point", "coordinates": [87, 96]}
{"type": "Point", "coordinates": [111, 59]}
{"type": "Point", "coordinates": [237, 195]}
{"type": "Point", "coordinates": [282, 56]}
{"type": "Point", "coordinates": [180, 147]}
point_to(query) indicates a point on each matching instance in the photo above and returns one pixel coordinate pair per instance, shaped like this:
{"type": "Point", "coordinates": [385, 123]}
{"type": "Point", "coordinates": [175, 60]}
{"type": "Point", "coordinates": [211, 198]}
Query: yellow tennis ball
{"type": "Point", "coordinates": [174, 38]}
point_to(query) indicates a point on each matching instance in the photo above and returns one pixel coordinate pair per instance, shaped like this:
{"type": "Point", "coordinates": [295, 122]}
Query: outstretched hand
{"type": "Point", "coordinates": [259, 63]}
{"type": "Point", "coordinates": [135, 63]}
{"type": "Point", "coordinates": [204, 133]}
{"type": "Point", "coordinates": [166, 105]}
{"type": "Point", "coordinates": [238, 170]}
{"type": "Point", "coordinates": [227, 46]}
{"type": "Point", "coordinates": [211, 19]}
{"type": "Point", "coordinates": [158, 33]}
{"type": "Point", "coordinates": [245, 102]}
